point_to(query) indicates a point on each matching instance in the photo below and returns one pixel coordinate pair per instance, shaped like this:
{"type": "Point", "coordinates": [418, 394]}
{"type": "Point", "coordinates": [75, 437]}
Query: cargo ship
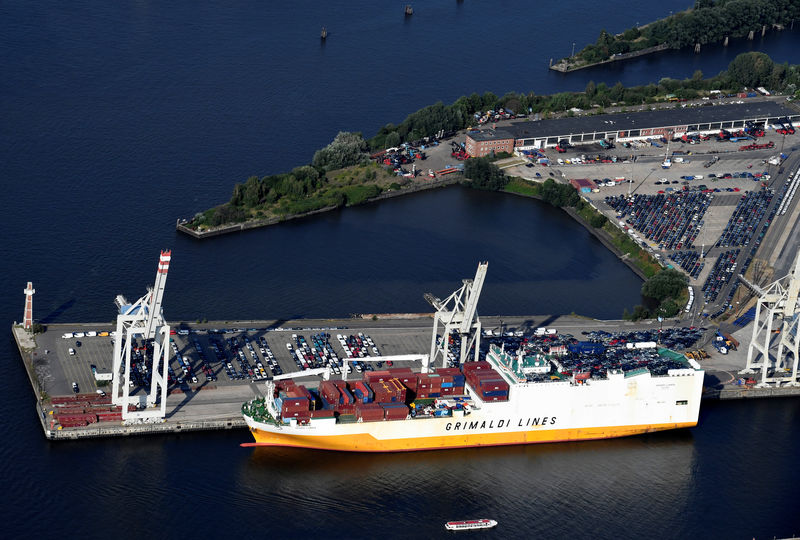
{"type": "Point", "coordinates": [506, 399]}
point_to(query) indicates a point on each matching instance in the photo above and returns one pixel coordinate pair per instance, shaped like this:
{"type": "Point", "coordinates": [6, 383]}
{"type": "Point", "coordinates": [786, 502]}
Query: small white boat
{"type": "Point", "coordinates": [470, 524]}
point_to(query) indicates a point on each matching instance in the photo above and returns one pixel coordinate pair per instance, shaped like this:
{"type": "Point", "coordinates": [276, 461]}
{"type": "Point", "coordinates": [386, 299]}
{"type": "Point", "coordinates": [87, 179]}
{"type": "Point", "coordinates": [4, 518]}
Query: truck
{"type": "Point", "coordinates": [730, 341]}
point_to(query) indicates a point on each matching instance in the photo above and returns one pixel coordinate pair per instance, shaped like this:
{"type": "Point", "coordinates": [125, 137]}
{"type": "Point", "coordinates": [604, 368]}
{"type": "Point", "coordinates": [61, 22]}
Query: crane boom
{"type": "Point", "coordinates": [157, 294]}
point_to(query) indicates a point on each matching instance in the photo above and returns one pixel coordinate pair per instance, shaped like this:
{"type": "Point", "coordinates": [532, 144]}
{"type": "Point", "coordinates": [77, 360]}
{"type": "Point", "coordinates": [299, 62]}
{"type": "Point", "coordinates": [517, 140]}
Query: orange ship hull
{"type": "Point", "coordinates": [364, 442]}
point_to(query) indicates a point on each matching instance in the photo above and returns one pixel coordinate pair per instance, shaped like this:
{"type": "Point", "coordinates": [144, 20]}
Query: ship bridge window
{"type": "Point", "coordinates": [681, 402]}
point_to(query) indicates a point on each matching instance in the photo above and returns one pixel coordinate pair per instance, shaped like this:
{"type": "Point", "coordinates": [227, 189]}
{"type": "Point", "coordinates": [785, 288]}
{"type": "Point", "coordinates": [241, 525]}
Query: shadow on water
{"type": "Point", "coordinates": [56, 313]}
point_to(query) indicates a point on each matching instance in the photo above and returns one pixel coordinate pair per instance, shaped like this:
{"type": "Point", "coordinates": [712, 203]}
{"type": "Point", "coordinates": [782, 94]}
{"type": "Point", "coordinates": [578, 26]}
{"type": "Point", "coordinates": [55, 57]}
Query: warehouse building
{"type": "Point", "coordinates": [621, 127]}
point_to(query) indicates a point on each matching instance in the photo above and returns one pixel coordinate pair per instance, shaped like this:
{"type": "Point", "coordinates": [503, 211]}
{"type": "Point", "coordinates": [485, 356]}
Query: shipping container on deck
{"type": "Point", "coordinates": [399, 372]}
{"type": "Point", "coordinates": [395, 411]}
{"type": "Point", "coordinates": [347, 397]}
{"type": "Point", "coordinates": [494, 398]}
{"type": "Point", "coordinates": [369, 412]}
{"type": "Point", "coordinates": [487, 385]}
{"type": "Point", "coordinates": [377, 376]}
{"type": "Point", "coordinates": [322, 413]}
{"type": "Point", "coordinates": [307, 393]}
{"type": "Point", "coordinates": [475, 366]}
{"type": "Point", "coordinates": [362, 392]}
{"type": "Point", "coordinates": [345, 409]}
{"type": "Point", "coordinates": [303, 417]}
{"type": "Point", "coordinates": [409, 381]}
{"type": "Point", "coordinates": [400, 390]}
{"type": "Point", "coordinates": [330, 392]}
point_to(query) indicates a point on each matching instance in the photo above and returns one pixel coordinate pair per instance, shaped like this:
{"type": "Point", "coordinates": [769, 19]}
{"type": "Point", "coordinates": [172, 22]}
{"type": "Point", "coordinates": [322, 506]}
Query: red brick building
{"type": "Point", "coordinates": [484, 142]}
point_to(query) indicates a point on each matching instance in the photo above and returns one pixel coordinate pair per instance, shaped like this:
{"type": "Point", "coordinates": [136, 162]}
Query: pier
{"type": "Point", "coordinates": [216, 405]}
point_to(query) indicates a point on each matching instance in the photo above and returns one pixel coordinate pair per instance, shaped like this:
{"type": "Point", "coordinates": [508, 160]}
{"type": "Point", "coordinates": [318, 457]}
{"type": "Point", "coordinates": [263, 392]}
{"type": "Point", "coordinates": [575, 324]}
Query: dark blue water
{"type": "Point", "coordinates": [118, 118]}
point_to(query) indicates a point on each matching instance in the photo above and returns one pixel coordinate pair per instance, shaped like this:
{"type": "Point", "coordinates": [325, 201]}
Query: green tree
{"type": "Point", "coordinates": [392, 140]}
{"type": "Point", "coordinates": [667, 284]}
{"type": "Point", "coordinates": [346, 149]}
{"type": "Point", "coordinates": [484, 175]}
{"type": "Point", "coordinates": [751, 69]}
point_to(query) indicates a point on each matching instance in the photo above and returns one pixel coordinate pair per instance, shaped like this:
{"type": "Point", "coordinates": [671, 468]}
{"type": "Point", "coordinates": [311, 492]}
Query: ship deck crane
{"type": "Point", "coordinates": [144, 319]}
{"type": "Point", "coordinates": [458, 312]}
{"type": "Point", "coordinates": [777, 304]}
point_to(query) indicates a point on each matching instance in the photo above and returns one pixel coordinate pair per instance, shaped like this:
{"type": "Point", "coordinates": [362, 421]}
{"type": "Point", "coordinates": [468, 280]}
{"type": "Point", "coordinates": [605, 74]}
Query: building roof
{"type": "Point", "coordinates": [649, 119]}
{"type": "Point", "coordinates": [582, 183]}
{"type": "Point", "coordinates": [490, 135]}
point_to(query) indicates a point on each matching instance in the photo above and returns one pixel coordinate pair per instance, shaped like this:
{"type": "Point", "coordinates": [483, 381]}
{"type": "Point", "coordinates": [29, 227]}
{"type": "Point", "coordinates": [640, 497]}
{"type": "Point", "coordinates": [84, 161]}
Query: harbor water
{"type": "Point", "coordinates": [119, 118]}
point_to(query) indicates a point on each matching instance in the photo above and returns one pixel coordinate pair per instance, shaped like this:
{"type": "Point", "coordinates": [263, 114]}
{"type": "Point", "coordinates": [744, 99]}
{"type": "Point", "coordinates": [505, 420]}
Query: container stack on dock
{"type": "Point", "coordinates": [81, 410]}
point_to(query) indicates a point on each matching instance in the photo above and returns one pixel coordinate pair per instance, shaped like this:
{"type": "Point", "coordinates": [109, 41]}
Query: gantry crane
{"type": "Point", "coordinates": [458, 312]}
{"type": "Point", "coordinates": [143, 320]}
{"type": "Point", "coordinates": [777, 305]}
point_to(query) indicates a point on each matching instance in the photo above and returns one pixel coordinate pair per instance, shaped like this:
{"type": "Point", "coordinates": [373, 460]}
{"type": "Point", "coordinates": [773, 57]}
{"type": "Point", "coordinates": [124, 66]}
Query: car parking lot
{"type": "Point", "coordinates": [219, 357]}
{"type": "Point", "coordinates": [594, 351]}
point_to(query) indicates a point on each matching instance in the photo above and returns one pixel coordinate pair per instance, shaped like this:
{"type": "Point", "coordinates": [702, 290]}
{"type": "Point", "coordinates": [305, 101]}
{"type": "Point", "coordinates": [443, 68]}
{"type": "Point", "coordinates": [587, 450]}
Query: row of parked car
{"type": "Point", "coordinates": [672, 220]}
{"type": "Point", "coordinates": [721, 273]}
{"type": "Point", "coordinates": [746, 216]}
{"type": "Point", "coordinates": [690, 261]}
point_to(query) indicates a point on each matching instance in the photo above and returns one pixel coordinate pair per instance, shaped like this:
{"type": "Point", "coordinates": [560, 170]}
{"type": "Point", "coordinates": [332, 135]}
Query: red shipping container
{"type": "Point", "coordinates": [409, 382]}
{"type": "Point", "coordinates": [400, 390]}
{"type": "Point", "coordinates": [476, 366]}
{"type": "Point", "coordinates": [375, 376]}
{"type": "Point", "coordinates": [493, 385]}
{"type": "Point", "coordinates": [296, 402]}
{"type": "Point", "coordinates": [394, 412]}
{"type": "Point", "coordinates": [68, 410]}
{"type": "Point", "coordinates": [345, 409]}
{"type": "Point", "coordinates": [449, 371]}
{"type": "Point", "coordinates": [369, 411]}
{"type": "Point", "coordinates": [322, 413]}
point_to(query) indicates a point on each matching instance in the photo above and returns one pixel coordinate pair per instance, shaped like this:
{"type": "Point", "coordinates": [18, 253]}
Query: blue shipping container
{"type": "Point", "coordinates": [447, 385]}
{"type": "Point", "coordinates": [495, 393]}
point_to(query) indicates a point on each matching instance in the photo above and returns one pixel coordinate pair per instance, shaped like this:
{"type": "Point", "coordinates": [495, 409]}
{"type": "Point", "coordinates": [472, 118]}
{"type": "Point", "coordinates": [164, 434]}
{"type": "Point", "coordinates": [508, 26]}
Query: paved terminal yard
{"type": "Point", "coordinates": [214, 400]}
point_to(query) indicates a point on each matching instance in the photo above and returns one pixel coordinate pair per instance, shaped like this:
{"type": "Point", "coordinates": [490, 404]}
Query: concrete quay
{"type": "Point", "coordinates": [210, 404]}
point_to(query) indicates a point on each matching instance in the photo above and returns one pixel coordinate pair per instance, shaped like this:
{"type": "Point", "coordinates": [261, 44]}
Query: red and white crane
{"type": "Point", "coordinates": [143, 320]}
